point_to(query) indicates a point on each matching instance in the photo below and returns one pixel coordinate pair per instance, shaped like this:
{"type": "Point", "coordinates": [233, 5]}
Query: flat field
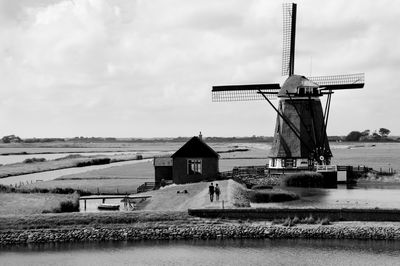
{"type": "Point", "coordinates": [112, 180]}
{"type": "Point", "coordinates": [79, 147]}
{"type": "Point", "coordinates": [30, 203]}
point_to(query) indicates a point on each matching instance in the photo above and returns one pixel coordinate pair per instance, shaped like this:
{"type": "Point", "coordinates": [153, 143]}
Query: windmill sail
{"type": "Point", "coordinates": [251, 92]}
{"type": "Point", "coordinates": [289, 37]}
{"type": "Point", "coordinates": [340, 82]}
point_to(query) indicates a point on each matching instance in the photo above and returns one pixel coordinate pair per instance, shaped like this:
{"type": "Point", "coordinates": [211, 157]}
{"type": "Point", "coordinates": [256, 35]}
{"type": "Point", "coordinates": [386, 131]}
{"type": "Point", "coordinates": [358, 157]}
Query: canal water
{"type": "Point", "coordinates": [207, 252]}
{"type": "Point", "coordinates": [362, 197]}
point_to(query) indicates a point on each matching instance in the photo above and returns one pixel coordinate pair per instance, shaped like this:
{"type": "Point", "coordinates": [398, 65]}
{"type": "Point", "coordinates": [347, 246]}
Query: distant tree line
{"type": "Point", "coordinates": [381, 135]}
{"type": "Point", "coordinates": [366, 135]}
{"type": "Point", "coordinates": [11, 139]}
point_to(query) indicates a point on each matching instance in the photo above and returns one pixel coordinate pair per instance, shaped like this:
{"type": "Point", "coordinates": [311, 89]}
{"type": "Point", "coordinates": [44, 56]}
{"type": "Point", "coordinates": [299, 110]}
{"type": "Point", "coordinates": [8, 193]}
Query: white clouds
{"type": "Point", "coordinates": [127, 68]}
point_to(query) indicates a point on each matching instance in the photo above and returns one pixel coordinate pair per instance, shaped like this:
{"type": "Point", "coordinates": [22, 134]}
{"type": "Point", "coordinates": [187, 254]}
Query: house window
{"type": "Point", "coordinates": [194, 166]}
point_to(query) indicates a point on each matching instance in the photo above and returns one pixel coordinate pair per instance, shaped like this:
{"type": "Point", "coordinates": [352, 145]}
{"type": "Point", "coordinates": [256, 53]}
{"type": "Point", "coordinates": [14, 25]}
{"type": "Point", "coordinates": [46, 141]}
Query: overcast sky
{"type": "Point", "coordinates": [128, 68]}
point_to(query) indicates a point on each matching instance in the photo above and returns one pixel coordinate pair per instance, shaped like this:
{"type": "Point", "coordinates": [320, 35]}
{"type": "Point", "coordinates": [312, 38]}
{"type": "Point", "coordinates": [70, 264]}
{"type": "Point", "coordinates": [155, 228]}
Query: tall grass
{"type": "Point", "coordinates": [296, 220]}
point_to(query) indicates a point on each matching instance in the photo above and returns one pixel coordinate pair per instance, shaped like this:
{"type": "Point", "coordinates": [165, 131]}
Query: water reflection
{"type": "Point", "coordinates": [356, 197]}
{"type": "Point", "coordinates": [207, 252]}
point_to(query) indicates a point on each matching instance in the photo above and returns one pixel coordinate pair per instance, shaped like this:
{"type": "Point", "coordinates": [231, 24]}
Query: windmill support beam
{"type": "Point", "coordinates": [326, 116]}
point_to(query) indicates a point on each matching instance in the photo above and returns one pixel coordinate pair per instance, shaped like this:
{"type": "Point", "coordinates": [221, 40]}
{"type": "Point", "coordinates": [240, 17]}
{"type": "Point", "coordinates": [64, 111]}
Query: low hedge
{"type": "Point", "coordinates": [95, 161]}
{"type": "Point", "coordinates": [303, 179]}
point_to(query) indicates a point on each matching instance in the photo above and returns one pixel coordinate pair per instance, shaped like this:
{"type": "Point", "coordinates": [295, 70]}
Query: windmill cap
{"type": "Point", "coordinates": [293, 82]}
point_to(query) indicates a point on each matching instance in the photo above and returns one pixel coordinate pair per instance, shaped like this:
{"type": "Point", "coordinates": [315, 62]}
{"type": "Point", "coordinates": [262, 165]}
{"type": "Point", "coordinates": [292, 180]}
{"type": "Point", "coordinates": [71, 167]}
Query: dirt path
{"type": "Point", "coordinates": [168, 198]}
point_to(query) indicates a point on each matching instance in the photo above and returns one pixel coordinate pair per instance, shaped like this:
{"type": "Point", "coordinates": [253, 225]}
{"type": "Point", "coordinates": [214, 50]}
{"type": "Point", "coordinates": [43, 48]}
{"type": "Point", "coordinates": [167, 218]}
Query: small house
{"type": "Point", "coordinates": [195, 161]}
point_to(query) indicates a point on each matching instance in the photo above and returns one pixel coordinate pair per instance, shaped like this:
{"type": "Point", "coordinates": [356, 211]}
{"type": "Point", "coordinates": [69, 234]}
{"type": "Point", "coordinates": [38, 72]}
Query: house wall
{"type": "Point", "coordinates": [180, 172]}
{"type": "Point", "coordinates": [162, 172]}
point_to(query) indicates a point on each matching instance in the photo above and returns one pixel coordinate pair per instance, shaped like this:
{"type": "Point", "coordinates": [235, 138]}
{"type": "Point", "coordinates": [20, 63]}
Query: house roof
{"type": "Point", "coordinates": [195, 147]}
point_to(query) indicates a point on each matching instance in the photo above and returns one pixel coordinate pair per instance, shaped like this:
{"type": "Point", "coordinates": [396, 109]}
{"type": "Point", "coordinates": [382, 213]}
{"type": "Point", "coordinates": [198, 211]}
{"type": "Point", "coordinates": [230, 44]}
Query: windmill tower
{"type": "Point", "coordinates": [300, 139]}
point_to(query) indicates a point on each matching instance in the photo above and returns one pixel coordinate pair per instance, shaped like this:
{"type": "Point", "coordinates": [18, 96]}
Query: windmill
{"type": "Point", "coordinates": [300, 139]}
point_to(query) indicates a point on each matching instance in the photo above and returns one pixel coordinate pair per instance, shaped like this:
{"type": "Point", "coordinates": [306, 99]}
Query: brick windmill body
{"type": "Point", "coordinates": [300, 139]}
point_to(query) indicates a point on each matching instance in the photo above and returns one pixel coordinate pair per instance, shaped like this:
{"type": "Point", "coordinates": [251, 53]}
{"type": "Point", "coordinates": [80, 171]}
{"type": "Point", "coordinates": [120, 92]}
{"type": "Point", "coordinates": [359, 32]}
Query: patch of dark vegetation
{"type": "Point", "coordinates": [234, 150]}
{"type": "Point", "coordinates": [14, 153]}
{"type": "Point", "coordinates": [94, 161]}
{"type": "Point", "coordinates": [70, 156]}
{"type": "Point", "coordinates": [34, 160]}
{"type": "Point", "coordinates": [303, 179]}
{"type": "Point", "coordinates": [57, 190]}
{"type": "Point", "coordinates": [264, 196]}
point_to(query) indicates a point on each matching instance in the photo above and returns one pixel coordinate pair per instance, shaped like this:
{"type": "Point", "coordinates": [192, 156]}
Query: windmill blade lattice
{"type": "Point", "coordinates": [289, 36]}
{"type": "Point", "coordinates": [254, 92]}
{"type": "Point", "coordinates": [340, 82]}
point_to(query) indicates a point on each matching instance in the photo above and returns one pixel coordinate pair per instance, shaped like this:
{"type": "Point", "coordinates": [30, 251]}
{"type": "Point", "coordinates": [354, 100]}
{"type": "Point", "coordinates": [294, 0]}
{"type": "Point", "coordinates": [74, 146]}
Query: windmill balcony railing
{"type": "Point", "coordinates": [326, 168]}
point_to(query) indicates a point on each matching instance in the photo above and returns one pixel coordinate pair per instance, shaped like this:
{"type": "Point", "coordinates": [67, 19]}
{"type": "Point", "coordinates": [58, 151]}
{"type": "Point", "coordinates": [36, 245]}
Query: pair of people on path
{"type": "Point", "coordinates": [212, 190]}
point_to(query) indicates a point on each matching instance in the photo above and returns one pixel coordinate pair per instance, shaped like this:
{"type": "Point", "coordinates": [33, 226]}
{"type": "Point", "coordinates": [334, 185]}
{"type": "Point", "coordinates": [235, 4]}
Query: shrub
{"type": "Point", "coordinates": [68, 205]}
{"type": "Point", "coordinates": [303, 179]}
{"type": "Point", "coordinates": [7, 189]}
{"type": "Point", "coordinates": [34, 160]}
{"type": "Point", "coordinates": [272, 196]}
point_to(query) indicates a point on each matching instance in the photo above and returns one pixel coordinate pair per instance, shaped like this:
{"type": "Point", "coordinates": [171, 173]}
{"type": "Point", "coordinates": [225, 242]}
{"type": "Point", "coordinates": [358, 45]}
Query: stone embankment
{"type": "Point", "coordinates": [208, 231]}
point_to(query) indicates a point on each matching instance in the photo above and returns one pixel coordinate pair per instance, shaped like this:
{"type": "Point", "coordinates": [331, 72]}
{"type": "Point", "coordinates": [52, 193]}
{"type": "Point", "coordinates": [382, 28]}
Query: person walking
{"type": "Point", "coordinates": [217, 192]}
{"type": "Point", "coordinates": [211, 192]}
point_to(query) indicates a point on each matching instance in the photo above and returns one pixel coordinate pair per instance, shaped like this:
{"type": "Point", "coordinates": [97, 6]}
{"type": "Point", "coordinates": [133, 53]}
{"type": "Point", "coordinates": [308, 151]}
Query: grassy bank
{"type": "Point", "coordinates": [62, 220]}
{"type": "Point", "coordinates": [34, 203]}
